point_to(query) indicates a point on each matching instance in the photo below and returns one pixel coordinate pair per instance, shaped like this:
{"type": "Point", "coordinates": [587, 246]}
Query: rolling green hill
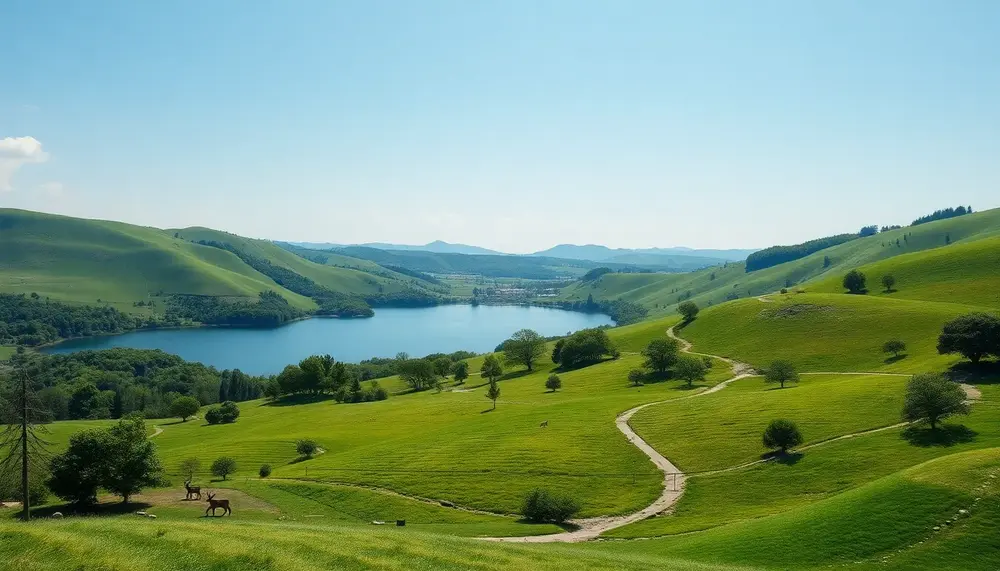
{"type": "Point", "coordinates": [712, 286]}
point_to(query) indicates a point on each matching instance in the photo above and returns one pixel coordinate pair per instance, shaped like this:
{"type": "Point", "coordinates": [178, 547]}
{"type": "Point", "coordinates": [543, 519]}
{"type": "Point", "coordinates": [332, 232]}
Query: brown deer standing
{"type": "Point", "coordinates": [216, 504]}
{"type": "Point", "coordinates": [193, 492]}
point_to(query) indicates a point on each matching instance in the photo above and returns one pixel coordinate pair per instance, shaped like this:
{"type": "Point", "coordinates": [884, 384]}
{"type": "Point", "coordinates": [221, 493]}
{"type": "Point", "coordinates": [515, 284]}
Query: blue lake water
{"type": "Point", "coordinates": [419, 332]}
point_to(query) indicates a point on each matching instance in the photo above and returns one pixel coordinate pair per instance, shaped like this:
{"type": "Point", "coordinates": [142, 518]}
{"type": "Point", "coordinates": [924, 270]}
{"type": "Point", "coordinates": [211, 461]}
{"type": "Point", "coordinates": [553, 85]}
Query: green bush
{"type": "Point", "coordinates": [265, 470]}
{"type": "Point", "coordinates": [543, 506]}
{"type": "Point", "coordinates": [306, 447]}
{"type": "Point", "coordinates": [553, 383]}
{"type": "Point", "coordinates": [782, 434]}
{"type": "Point", "coordinates": [224, 466]}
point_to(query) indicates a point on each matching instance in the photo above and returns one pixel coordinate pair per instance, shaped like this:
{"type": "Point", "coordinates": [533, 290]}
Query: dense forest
{"type": "Point", "coordinates": [775, 255]}
{"type": "Point", "coordinates": [270, 310]}
{"type": "Point", "coordinates": [31, 320]}
{"type": "Point", "coordinates": [622, 311]}
{"type": "Point", "coordinates": [115, 382]}
{"type": "Point", "coordinates": [942, 214]}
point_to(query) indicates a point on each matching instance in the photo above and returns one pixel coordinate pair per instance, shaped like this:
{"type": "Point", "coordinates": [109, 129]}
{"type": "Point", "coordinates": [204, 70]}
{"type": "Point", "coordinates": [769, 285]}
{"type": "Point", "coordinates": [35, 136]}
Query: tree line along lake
{"type": "Point", "coordinates": [416, 331]}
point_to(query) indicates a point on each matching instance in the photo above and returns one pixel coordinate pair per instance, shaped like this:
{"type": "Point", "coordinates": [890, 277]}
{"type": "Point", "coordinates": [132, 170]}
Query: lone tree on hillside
{"type": "Point", "coordinates": [223, 466]}
{"type": "Point", "coordinates": [781, 372]}
{"type": "Point", "coordinates": [493, 392]}
{"type": "Point", "coordinates": [855, 282]}
{"type": "Point", "coordinates": [189, 467]}
{"type": "Point", "coordinates": [492, 369]}
{"type": "Point", "coordinates": [553, 383]}
{"type": "Point", "coordinates": [184, 407]}
{"type": "Point", "coordinates": [306, 447]}
{"type": "Point", "coordinates": [635, 376]}
{"type": "Point", "coordinates": [975, 335]}
{"type": "Point", "coordinates": [460, 371]}
{"type": "Point", "coordinates": [690, 369]}
{"type": "Point", "coordinates": [894, 346]}
{"type": "Point", "coordinates": [782, 434]}
{"type": "Point", "coordinates": [689, 310]}
{"type": "Point", "coordinates": [661, 354]}
{"type": "Point", "coordinates": [931, 397]}
{"type": "Point", "coordinates": [524, 347]}
{"type": "Point", "coordinates": [888, 281]}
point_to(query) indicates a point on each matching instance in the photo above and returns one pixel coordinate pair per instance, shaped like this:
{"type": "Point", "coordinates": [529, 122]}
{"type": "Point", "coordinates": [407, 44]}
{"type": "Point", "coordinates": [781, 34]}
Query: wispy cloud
{"type": "Point", "coordinates": [17, 151]}
{"type": "Point", "coordinates": [53, 189]}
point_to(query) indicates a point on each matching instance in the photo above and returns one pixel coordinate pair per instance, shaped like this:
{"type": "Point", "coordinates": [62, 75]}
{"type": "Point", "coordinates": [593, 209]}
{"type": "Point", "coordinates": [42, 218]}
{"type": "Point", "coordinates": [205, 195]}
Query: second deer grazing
{"type": "Point", "coordinates": [193, 492]}
{"type": "Point", "coordinates": [214, 504]}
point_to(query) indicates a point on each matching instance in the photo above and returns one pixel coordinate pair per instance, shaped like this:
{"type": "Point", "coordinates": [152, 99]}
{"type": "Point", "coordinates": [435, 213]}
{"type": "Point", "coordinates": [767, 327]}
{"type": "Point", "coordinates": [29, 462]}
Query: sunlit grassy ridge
{"type": "Point", "coordinates": [712, 286]}
{"type": "Point", "coordinates": [826, 332]}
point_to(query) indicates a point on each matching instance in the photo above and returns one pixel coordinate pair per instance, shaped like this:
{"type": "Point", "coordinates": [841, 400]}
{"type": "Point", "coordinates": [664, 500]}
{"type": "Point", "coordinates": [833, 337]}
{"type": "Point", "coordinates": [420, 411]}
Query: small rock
{"type": "Point", "coordinates": [151, 516]}
{"type": "Point", "coordinates": [141, 513]}
{"type": "Point", "coordinates": [57, 515]}
{"type": "Point", "coordinates": [963, 512]}
{"type": "Point", "coordinates": [446, 504]}
{"type": "Point", "coordinates": [937, 528]}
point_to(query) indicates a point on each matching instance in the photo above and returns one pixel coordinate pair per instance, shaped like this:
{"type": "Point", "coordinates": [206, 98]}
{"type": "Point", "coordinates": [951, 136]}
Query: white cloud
{"type": "Point", "coordinates": [53, 189]}
{"type": "Point", "coordinates": [17, 151]}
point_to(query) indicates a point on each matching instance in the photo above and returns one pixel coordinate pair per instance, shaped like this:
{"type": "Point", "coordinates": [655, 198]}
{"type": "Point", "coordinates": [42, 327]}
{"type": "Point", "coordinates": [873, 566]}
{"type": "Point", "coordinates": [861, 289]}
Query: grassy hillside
{"type": "Point", "coordinates": [712, 286]}
{"type": "Point", "coordinates": [78, 260]}
{"type": "Point", "coordinates": [826, 332]}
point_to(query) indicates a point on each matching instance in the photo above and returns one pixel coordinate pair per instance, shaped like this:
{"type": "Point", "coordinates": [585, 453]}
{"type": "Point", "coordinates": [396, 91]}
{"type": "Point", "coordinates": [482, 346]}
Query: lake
{"type": "Point", "coordinates": [418, 331]}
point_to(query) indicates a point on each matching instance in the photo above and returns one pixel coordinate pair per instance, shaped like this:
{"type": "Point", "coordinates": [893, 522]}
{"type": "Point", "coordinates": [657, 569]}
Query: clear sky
{"type": "Point", "coordinates": [514, 125]}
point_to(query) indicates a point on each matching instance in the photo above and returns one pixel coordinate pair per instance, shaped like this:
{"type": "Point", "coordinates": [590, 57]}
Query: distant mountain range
{"type": "Point", "coordinates": [437, 246]}
{"type": "Point", "coordinates": [589, 252]}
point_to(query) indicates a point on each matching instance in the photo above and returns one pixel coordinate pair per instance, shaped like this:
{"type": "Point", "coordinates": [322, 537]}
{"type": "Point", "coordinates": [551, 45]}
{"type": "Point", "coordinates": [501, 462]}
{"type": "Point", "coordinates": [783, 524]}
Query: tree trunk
{"type": "Point", "coordinates": [25, 507]}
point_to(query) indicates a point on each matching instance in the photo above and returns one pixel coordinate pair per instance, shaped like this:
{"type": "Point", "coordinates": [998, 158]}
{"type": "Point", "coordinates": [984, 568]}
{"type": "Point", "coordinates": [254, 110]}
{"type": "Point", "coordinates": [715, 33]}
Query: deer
{"type": "Point", "coordinates": [214, 504]}
{"type": "Point", "coordinates": [192, 491]}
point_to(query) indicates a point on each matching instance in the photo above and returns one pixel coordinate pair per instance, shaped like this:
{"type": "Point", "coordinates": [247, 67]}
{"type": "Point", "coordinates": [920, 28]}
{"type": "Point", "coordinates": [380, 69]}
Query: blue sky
{"type": "Point", "coordinates": [514, 125]}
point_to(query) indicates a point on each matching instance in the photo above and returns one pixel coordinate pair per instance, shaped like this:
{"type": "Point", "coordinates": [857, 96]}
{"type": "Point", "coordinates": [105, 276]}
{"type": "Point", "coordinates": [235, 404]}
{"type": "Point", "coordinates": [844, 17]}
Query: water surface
{"type": "Point", "coordinates": [419, 331]}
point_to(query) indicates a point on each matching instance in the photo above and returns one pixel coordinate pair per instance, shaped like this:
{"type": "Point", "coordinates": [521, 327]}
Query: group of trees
{"type": "Point", "coordinates": [30, 320]}
{"type": "Point", "coordinates": [856, 282]}
{"type": "Point", "coordinates": [942, 214]}
{"type": "Point", "coordinates": [113, 383]}
{"type": "Point", "coordinates": [663, 357]}
{"type": "Point", "coordinates": [268, 310]}
{"type": "Point", "coordinates": [225, 413]}
{"type": "Point", "coordinates": [322, 375]}
{"type": "Point", "coordinates": [119, 459]}
{"type": "Point", "coordinates": [775, 255]}
{"type": "Point", "coordinates": [622, 311]}
{"type": "Point", "coordinates": [585, 347]}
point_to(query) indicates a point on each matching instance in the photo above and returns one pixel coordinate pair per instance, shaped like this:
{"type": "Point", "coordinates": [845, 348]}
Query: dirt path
{"type": "Point", "coordinates": [156, 432]}
{"type": "Point", "coordinates": [673, 478]}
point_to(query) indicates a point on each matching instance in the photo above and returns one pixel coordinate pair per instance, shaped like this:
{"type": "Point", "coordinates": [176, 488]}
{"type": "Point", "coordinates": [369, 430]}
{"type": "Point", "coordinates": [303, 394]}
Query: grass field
{"type": "Point", "coordinates": [6, 352]}
{"type": "Point", "coordinates": [826, 332]}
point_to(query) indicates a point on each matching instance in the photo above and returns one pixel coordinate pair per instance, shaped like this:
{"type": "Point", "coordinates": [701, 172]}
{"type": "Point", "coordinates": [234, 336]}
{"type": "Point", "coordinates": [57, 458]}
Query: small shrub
{"type": "Point", "coordinates": [265, 470]}
{"type": "Point", "coordinates": [784, 290]}
{"type": "Point", "coordinates": [553, 383]}
{"type": "Point", "coordinates": [782, 434]}
{"type": "Point", "coordinates": [635, 376]}
{"type": "Point", "coordinates": [894, 346]}
{"type": "Point", "coordinates": [543, 506]}
{"type": "Point", "coordinates": [306, 447]}
{"type": "Point", "coordinates": [230, 411]}
{"type": "Point", "coordinates": [213, 415]}
{"type": "Point", "coordinates": [855, 282]}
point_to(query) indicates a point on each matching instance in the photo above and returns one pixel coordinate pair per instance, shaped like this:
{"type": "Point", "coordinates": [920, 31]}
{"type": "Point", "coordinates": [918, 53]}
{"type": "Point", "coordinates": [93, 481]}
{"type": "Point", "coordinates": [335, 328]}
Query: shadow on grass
{"type": "Point", "coordinates": [894, 359]}
{"type": "Point", "coordinates": [944, 435]}
{"type": "Point", "coordinates": [174, 422]}
{"type": "Point", "coordinates": [293, 400]}
{"type": "Point", "coordinates": [301, 459]}
{"type": "Point", "coordinates": [982, 373]}
{"type": "Point", "coordinates": [487, 410]}
{"type": "Point", "coordinates": [104, 509]}
{"type": "Point", "coordinates": [565, 526]}
{"type": "Point", "coordinates": [786, 458]}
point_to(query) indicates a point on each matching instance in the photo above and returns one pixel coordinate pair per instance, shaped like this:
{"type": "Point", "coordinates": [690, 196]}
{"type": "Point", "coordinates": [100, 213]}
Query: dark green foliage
{"type": "Point", "coordinates": [270, 310]}
{"type": "Point", "coordinates": [223, 467]}
{"type": "Point", "coordinates": [553, 383]}
{"type": "Point", "coordinates": [855, 282]}
{"type": "Point", "coordinates": [975, 335]}
{"type": "Point", "coordinates": [595, 273]}
{"type": "Point", "coordinates": [636, 376]}
{"type": "Point", "coordinates": [931, 397]}
{"type": "Point", "coordinates": [414, 274]}
{"type": "Point", "coordinates": [661, 353]}
{"type": "Point", "coordinates": [492, 368]}
{"type": "Point", "coordinates": [306, 447]}
{"type": "Point", "coordinates": [120, 459]}
{"type": "Point", "coordinates": [442, 366]}
{"type": "Point", "coordinates": [942, 214]}
{"type": "Point", "coordinates": [544, 506]}
{"type": "Point", "coordinates": [460, 371]}
{"type": "Point", "coordinates": [225, 413]}
{"type": "Point", "coordinates": [418, 373]}
{"type": "Point", "coordinates": [782, 434]}
{"type": "Point", "coordinates": [622, 311]}
{"type": "Point", "coordinates": [265, 471]}
{"type": "Point", "coordinates": [894, 346]}
{"type": "Point", "coordinates": [690, 369]}
{"type": "Point", "coordinates": [888, 281]}
{"type": "Point", "coordinates": [775, 255]}
{"type": "Point", "coordinates": [32, 321]}
{"type": "Point", "coordinates": [493, 392]}
{"type": "Point", "coordinates": [557, 350]}
{"type": "Point", "coordinates": [781, 372]}
{"type": "Point", "coordinates": [524, 347]}
{"type": "Point", "coordinates": [184, 407]}
{"type": "Point", "coordinates": [585, 347]}
{"type": "Point", "coordinates": [868, 231]}
{"type": "Point", "coordinates": [115, 382]}
{"type": "Point", "coordinates": [689, 310]}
